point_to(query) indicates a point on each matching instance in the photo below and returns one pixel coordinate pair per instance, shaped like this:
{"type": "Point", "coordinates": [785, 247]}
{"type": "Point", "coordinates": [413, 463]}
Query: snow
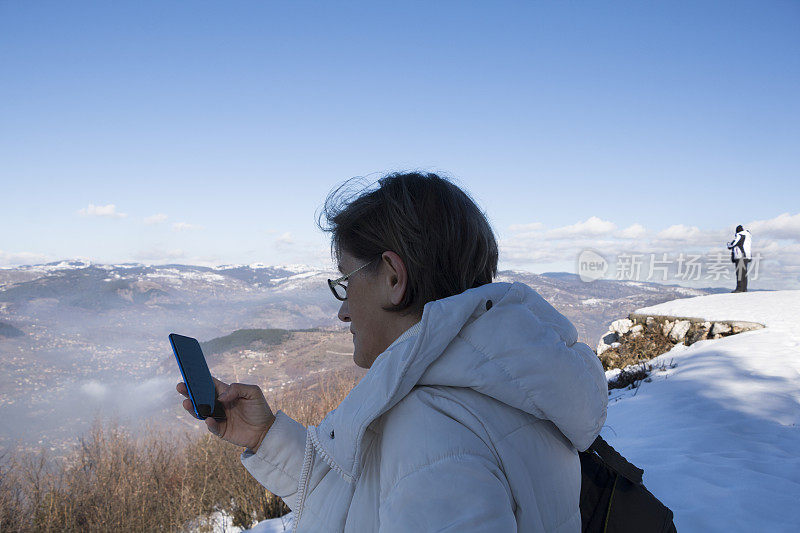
{"type": "Point", "coordinates": [65, 264]}
{"type": "Point", "coordinates": [298, 268]}
{"type": "Point", "coordinates": [718, 435]}
{"type": "Point", "coordinates": [222, 522]}
{"type": "Point", "coordinates": [299, 281]}
{"type": "Point", "coordinates": [775, 309]}
{"type": "Point", "coordinates": [592, 301]}
{"type": "Point", "coordinates": [175, 274]}
{"type": "Point", "coordinates": [274, 525]}
{"type": "Point", "coordinates": [687, 291]}
{"type": "Point", "coordinates": [293, 277]}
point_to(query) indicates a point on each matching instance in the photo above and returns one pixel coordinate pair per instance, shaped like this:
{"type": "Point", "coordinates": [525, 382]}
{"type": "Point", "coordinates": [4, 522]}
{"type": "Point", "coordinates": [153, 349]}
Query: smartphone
{"type": "Point", "coordinates": [197, 377]}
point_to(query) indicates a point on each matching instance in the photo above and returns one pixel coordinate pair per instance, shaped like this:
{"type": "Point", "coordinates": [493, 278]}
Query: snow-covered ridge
{"type": "Point", "coordinates": [175, 274]}
{"type": "Point", "coordinates": [296, 268]}
{"type": "Point", "coordinates": [717, 431]}
{"type": "Point", "coordinates": [66, 264]}
{"type": "Point", "coordinates": [77, 264]}
{"type": "Point", "coordinates": [294, 277]}
{"type": "Point", "coordinates": [773, 309]}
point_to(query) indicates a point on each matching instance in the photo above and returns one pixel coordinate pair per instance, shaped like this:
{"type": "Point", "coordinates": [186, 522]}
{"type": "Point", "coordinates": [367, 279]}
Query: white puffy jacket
{"type": "Point", "coordinates": [740, 245]}
{"type": "Point", "coordinates": [470, 426]}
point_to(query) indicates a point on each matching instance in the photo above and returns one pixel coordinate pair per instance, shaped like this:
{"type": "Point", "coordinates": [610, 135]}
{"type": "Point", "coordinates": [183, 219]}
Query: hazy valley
{"type": "Point", "coordinates": [79, 340]}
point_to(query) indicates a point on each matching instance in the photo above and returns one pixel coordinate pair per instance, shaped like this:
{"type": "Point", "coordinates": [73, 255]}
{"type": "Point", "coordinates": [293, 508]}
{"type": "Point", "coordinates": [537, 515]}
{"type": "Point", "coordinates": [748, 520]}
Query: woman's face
{"type": "Point", "coordinates": [373, 328]}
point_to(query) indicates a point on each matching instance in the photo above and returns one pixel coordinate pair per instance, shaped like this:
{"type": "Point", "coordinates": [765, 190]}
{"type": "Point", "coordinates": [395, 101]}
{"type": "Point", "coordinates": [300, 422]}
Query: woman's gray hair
{"type": "Point", "coordinates": [436, 228]}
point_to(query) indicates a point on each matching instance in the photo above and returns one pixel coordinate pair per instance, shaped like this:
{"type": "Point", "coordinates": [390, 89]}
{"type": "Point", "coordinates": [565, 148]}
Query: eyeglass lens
{"type": "Point", "coordinates": [341, 291]}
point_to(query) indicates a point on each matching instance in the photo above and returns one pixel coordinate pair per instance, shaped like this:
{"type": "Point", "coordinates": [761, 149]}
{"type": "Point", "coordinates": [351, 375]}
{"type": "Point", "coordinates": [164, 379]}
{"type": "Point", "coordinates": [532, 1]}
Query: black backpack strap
{"type": "Point", "coordinates": [615, 461]}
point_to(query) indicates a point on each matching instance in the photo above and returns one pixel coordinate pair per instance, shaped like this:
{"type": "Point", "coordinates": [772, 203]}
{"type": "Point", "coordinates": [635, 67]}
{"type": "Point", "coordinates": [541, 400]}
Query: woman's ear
{"type": "Point", "coordinates": [395, 277]}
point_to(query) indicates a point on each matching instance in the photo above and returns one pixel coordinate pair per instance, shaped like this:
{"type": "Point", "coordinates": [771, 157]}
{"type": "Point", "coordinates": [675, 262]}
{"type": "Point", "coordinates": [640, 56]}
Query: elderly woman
{"type": "Point", "coordinates": [477, 397]}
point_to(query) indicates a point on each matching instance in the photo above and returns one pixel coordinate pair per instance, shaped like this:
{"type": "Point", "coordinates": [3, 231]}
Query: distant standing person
{"type": "Point", "coordinates": [740, 256]}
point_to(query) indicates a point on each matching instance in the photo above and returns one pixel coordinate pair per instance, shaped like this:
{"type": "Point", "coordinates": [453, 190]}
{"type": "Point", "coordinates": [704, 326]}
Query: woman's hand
{"type": "Point", "coordinates": [248, 416]}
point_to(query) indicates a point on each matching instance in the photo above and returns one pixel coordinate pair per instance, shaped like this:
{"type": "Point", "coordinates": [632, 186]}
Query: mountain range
{"type": "Point", "coordinates": [80, 339]}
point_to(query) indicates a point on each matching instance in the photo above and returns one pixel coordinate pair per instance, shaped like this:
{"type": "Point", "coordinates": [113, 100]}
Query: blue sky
{"type": "Point", "coordinates": [217, 129]}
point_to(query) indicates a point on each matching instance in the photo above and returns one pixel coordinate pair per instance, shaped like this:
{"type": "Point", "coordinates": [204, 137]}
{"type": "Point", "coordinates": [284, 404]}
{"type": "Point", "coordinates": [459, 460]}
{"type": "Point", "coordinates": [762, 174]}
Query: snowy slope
{"type": "Point", "coordinates": [718, 435]}
{"type": "Point", "coordinates": [275, 525]}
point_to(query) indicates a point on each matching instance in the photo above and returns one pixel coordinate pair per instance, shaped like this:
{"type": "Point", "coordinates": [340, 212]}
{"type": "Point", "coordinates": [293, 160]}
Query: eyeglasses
{"type": "Point", "coordinates": [338, 288]}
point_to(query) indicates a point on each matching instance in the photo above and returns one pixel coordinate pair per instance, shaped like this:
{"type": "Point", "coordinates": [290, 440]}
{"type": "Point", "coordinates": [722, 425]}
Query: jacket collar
{"type": "Point", "coordinates": [534, 378]}
{"type": "Point", "coordinates": [395, 372]}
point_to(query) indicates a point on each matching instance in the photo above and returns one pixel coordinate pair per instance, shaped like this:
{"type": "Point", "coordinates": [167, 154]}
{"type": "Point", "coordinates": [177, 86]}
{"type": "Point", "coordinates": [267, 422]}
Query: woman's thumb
{"type": "Point", "coordinates": [236, 390]}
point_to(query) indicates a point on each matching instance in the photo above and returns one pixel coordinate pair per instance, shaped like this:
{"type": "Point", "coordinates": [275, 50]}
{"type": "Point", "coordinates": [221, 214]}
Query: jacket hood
{"type": "Point", "coordinates": [519, 350]}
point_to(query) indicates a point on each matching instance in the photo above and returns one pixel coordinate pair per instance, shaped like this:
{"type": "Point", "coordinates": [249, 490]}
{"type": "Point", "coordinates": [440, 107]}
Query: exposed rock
{"type": "Point", "coordinates": [647, 336]}
{"type": "Point", "coordinates": [679, 330]}
{"type": "Point", "coordinates": [621, 326]}
{"type": "Point", "coordinates": [698, 333]}
{"type": "Point", "coordinates": [738, 327]}
{"type": "Point", "coordinates": [606, 341]}
{"type": "Point", "coordinates": [720, 328]}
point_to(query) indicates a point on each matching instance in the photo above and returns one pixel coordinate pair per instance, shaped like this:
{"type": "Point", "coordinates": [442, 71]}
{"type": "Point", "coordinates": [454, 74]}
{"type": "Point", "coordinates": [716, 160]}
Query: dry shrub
{"type": "Point", "coordinates": [651, 343]}
{"type": "Point", "coordinates": [633, 375]}
{"type": "Point", "coordinates": [12, 495]}
{"type": "Point", "coordinates": [310, 406]}
{"type": "Point", "coordinates": [629, 376]}
{"type": "Point", "coordinates": [157, 481]}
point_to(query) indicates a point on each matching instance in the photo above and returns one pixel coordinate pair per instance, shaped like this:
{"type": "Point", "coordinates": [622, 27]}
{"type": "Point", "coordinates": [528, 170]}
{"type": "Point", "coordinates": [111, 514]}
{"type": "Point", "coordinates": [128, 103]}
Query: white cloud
{"type": "Point", "coordinates": [285, 239]}
{"type": "Point", "coordinates": [533, 226]}
{"type": "Point", "coordinates": [125, 398]}
{"type": "Point", "coordinates": [185, 226]}
{"type": "Point", "coordinates": [155, 219]}
{"type": "Point", "coordinates": [535, 250]}
{"type": "Point", "coordinates": [109, 210]}
{"type": "Point", "coordinates": [159, 254]}
{"type": "Point", "coordinates": [94, 389]}
{"type": "Point", "coordinates": [634, 231]}
{"type": "Point", "coordinates": [22, 258]}
{"type": "Point", "coordinates": [592, 226]}
{"type": "Point", "coordinates": [784, 226]}
{"type": "Point", "coordinates": [679, 232]}
{"type": "Point", "coordinates": [517, 252]}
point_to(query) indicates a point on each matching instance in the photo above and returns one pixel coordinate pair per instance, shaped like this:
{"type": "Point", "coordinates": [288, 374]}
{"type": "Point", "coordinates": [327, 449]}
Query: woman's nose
{"type": "Point", "coordinates": [344, 312]}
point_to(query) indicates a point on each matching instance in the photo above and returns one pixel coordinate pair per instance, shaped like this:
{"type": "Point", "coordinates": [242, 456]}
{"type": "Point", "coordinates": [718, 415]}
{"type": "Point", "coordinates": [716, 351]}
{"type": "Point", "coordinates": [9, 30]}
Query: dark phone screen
{"type": "Point", "coordinates": [195, 373]}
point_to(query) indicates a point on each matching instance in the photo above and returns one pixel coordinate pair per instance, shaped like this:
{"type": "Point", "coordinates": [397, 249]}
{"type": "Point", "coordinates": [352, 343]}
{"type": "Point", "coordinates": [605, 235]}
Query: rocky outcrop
{"type": "Point", "coordinates": [642, 337]}
{"type": "Point", "coordinates": [679, 330]}
{"type": "Point", "coordinates": [622, 326]}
